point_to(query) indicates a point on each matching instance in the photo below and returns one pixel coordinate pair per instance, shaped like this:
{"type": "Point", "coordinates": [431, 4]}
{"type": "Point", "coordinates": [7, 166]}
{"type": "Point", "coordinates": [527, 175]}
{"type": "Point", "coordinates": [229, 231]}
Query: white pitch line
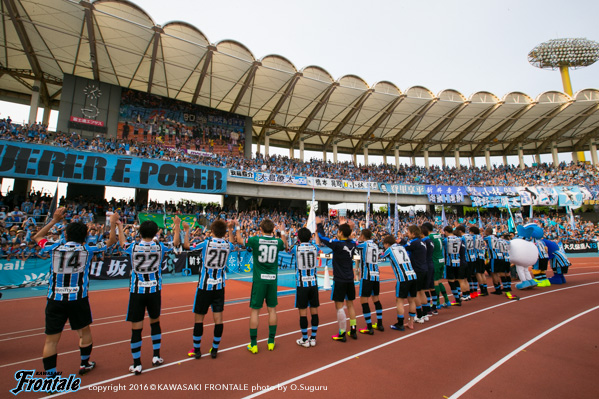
{"type": "Point", "coordinates": [495, 366]}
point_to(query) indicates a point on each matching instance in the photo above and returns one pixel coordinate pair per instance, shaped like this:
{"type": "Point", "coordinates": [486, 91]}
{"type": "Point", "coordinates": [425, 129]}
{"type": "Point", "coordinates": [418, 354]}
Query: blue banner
{"type": "Point", "coordinates": [492, 191]}
{"type": "Point", "coordinates": [408, 189]}
{"type": "Point", "coordinates": [16, 273]}
{"type": "Point", "coordinates": [569, 196]}
{"type": "Point", "coordinates": [495, 202]}
{"type": "Point", "coordinates": [263, 177]}
{"type": "Point", "coordinates": [42, 162]}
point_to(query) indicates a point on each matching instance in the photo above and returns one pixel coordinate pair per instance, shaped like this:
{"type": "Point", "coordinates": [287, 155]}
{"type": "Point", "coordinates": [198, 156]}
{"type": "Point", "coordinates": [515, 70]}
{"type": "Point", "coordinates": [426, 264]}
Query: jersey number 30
{"type": "Point", "coordinates": [268, 254]}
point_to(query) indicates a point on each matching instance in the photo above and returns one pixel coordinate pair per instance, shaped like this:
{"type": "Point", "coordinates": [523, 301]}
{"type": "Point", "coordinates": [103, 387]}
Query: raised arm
{"type": "Point", "coordinates": [187, 230]}
{"type": "Point", "coordinates": [57, 217]}
{"type": "Point", "coordinates": [115, 221]}
{"type": "Point", "coordinates": [177, 231]}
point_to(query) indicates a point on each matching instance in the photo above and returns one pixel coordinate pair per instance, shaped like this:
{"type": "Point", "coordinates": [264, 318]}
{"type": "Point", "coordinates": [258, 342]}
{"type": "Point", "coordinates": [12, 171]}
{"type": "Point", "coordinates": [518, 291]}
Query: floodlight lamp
{"type": "Point", "coordinates": [559, 53]}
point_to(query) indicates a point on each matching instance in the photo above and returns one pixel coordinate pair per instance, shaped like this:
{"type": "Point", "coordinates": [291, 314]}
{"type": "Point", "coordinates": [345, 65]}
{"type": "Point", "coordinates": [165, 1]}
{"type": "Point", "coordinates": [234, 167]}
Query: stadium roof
{"type": "Point", "coordinates": [117, 42]}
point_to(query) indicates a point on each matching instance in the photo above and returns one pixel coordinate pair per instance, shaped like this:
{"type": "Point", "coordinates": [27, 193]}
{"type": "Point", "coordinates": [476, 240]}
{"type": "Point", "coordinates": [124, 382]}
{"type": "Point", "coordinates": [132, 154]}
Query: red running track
{"type": "Point", "coordinates": [489, 347]}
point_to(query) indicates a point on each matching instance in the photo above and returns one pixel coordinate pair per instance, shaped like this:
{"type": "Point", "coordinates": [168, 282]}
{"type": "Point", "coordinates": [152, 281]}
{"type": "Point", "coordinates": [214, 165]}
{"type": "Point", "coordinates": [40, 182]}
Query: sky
{"type": "Point", "coordinates": [468, 46]}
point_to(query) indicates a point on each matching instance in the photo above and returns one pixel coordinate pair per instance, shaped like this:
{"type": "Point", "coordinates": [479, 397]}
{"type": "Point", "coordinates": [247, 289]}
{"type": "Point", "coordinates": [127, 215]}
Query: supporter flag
{"type": "Point", "coordinates": [368, 207]}
{"type": "Point", "coordinates": [396, 218]}
{"type": "Point", "coordinates": [53, 204]}
{"type": "Point", "coordinates": [530, 215]}
{"type": "Point", "coordinates": [511, 225]}
{"type": "Point", "coordinates": [311, 224]}
{"type": "Point", "coordinates": [571, 217]}
{"type": "Point", "coordinates": [388, 212]}
{"type": "Point", "coordinates": [443, 218]}
{"type": "Point", "coordinates": [480, 222]}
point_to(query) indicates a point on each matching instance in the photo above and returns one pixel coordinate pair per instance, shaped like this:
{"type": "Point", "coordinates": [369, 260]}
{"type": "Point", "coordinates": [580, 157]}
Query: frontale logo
{"type": "Point", "coordinates": [30, 381]}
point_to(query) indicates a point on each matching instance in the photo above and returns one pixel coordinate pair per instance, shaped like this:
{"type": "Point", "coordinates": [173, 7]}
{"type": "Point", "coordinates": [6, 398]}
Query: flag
{"type": "Point", "coordinates": [368, 207]}
{"type": "Point", "coordinates": [53, 204]}
{"type": "Point", "coordinates": [443, 218]}
{"type": "Point", "coordinates": [388, 212]}
{"type": "Point", "coordinates": [311, 224]}
{"type": "Point", "coordinates": [480, 222]}
{"type": "Point", "coordinates": [511, 225]}
{"type": "Point", "coordinates": [570, 217]}
{"type": "Point", "coordinates": [530, 215]}
{"type": "Point", "coordinates": [396, 218]}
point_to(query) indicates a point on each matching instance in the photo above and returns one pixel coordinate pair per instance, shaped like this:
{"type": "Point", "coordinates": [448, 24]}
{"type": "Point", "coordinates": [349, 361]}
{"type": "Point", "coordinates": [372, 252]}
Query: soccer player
{"type": "Point", "coordinates": [417, 253]}
{"type": "Point", "coordinates": [495, 266]}
{"type": "Point", "coordinates": [439, 266]}
{"type": "Point", "coordinates": [305, 255]}
{"type": "Point", "coordinates": [213, 257]}
{"type": "Point", "coordinates": [68, 289]}
{"type": "Point", "coordinates": [146, 286]}
{"type": "Point", "coordinates": [451, 248]}
{"type": "Point", "coordinates": [460, 231]}
{"type": "Point", "coordinates": [429, 289]}
{"type": "Point", "coordinates": [370, 285]}
{"type": "Point", "coordinates": [406, 281]}
{"type": "Point", "coordinates": [343, 275]}
{"type": "Point", "coordinates": [265, 250]}
{"type": "Point", "coordinates": [506, 278]}
{"type": "Point", "coordinates": [479, 265]}
{"type": "Point", "coordinates": [470, 256]}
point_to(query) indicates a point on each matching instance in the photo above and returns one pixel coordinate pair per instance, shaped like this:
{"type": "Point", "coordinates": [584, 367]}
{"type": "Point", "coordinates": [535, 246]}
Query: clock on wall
{"type": "Point", "coordinates": [92, 95]}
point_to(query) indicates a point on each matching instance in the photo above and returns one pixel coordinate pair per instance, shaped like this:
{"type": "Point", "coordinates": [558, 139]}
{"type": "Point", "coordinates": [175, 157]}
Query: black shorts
{"type": "Point", "coordinates": [421, 280]}
{"type": "Point", "coordinates": [479, 266]}
{"type": "Point", "coordinates": [138, 303]}
{"type": "Point", "coordinates": [78, 313]}
{"type": "Point", "coordinates": [470, 269]}
{"type": "Point", "coordinates": [209, 298]}
{"type": "Point", "coordinates": [369, 288]}
{"type": "Point", "coordinates": [307, 296]}
{"type": "Point", "coordinates": [405, 289]}
{"type": "Point", "coordinates": [451, 272]}
{"type": "Point", "coordinates": [500, 266]}
{"type": "Point", "coordinates": [430, 280]}
{"type": "Point", "coordinates": [343, 291]}
{"type": "Point", "coordinates": [542, 266]}
{"type": "Point", "coordinates": [463, 271]}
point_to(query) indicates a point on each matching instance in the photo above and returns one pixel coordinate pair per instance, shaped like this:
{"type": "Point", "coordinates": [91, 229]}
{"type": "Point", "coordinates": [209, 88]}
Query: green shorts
{"type": "Point", "coordinates": [439, 271]}
{"type": "Point", "coordinates": [262, 292]}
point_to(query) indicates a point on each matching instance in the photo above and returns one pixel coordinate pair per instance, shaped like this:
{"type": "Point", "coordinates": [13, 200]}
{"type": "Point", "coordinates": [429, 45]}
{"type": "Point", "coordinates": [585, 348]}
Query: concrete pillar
{"type": "Point", "coordinates": [575, 157]}
{"type": "Point", "coordinates": [355, 158]}
{"type": "Point", "coordinates": [324, 155]}
{"type": "Point", "coordinates": [488, 158]}
{"type": "Point", "coordinates": [335, 153]}
{"type": "Point", "coordinates": [266, 144]}
{"type": "Point", "coordinates": [46, 117]}
{"type": "Point", "coordinates": [291, 153]}
{"type": "Point", "coordinates": [21, 188]}
{"type": "Point", "coordinates": [593, 148]}
{"type": "Point", "coordinates": [142, 195]}
{"type": "Point", "coordinates": [554, 154]}
{"type": "Point", "coordinates": [258, 147]}
{"type": "Point", "coordinates": [457, 158]}
{"type": "Point", "coordinates": [521, 157]}
{"type": "Point", "coordinates": [413, 160]}
{"type": "Point", "coordinates": [385, 159]}
{"type": "Point", "coordinates": [473, 161]}
{"type": "Point", "coordinates": [34, 104]}
{"type": "Point", "coordinates": [365, 155]}
{"type": "Point", "coordinates": [538, 159]}
{"type": "Point", "coordinates": [426, 164]}
{"type": "Point", "coordinates": [443, 161]}
{"type": "Point", "coordinates": [301, 150]}
{"type": "Point", "coordinates": [396, 158]}
{"type": "Point", "coordinates": [505, 160]}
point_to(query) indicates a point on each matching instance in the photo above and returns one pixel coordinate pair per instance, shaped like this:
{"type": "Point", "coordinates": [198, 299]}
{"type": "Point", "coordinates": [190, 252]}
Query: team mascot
{"type": "Point", "coordinates": [523, 254]}
{"type": "Point", "coordinates": [559, 262]}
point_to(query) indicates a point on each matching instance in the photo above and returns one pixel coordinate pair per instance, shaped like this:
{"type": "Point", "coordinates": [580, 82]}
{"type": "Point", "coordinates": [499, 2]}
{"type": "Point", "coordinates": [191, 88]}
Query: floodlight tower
{"type": "Point", "coordinates": [563, 54]}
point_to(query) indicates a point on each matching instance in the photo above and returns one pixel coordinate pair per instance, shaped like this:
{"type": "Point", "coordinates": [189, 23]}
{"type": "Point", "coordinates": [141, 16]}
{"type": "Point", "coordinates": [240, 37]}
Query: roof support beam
{"type": "Point", "coordinates": [474, 125]}
{"type": "Point", "coordinates": [585, 139]}
{"type": "Point", "coordinates": [203, 72]}
{"type": "Point", "coordinates": [91, 36]}
{"type": "Point", "coordinates": [505, 125]}
{"type": "Point", "coordinates": [448, 119]}
{"type": "Point", "coordinates": [384, 116]}
{"type": "Point", "coordinates": [577, 121]}
{"type": "Point", "coordinates": [539, 125]}
{"type": "Point", "coordinates": [279, 104]}
{"type": "Point", "coordinates": [322, 101]}
{"type": "Point", "coordinates": [246, 84]}
{"type": "Point", "coordinates": [157, 31]}
{"type": "Point", "coordinates": [355, 108]}
{"type": "Point", "coordinates": [29, 51]}
{"type": "Point", "coordinates": [419, 115]}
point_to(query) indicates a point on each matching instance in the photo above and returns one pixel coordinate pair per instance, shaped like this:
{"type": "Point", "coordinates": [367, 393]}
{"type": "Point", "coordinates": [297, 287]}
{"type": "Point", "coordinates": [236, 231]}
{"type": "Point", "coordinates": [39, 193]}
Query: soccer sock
{"type": "Point", "coordinates": [85, 353]}
{"type": "Point", "coordinates": [484, 288]}
{"type": "Point", "coordinates": [136, 346]}
{"type": "Point", "coordinates": [444, 292]}
{"type": "Point", "coordinates": [437, 292]}
{"type": "Point", "coordinates": [459, 290]}
{"type": "Point", "coordinates": [366, 311]}
{"type": "Point", "coordinates": [419, 311]}
{"type": "Point", "coordinates": [412, 315]}
{"type": "Point", "coordinates": [379, 312]}
{"type": "Point", "coordinates": [50, 364]}
{"type": "Point", "coordinates": [272, 331]}
{"type": "Point", "coordinates": [304, 327]}
{"type": "Point", "coordinates": [426, 308]}
{"type": "Point", "coordinates": [341, 319]}
{"type": "Point", "coordinates": [198, 331]}
{"type": "Point", "coordinates": [474, 286]}
{"type": "Point", "coordinates": [508, 281]}
{"type": "Point", "coordinates": [352, 324]}
{"type": "Point", "coordinates": [454, 290]}
{"type": "Point", "coordinates": [218, 333]}
{"type": "Point", "coordinates": [156, 337]}
{"type": "Point", "coordinates": [435, 300]}
{"type": "Point", "coordinates": [400, 320]}
{"type": "Point", "coordinates": [253, 336]}
{"type": "Point", "coordinates": [314, 322]}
